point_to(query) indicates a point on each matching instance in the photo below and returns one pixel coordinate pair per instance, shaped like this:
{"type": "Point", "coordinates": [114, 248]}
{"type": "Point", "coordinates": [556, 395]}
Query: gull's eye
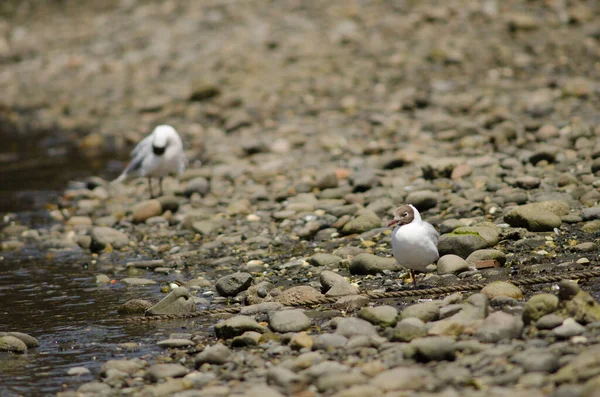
{"type": "Point", "coordinates": [405, 214]}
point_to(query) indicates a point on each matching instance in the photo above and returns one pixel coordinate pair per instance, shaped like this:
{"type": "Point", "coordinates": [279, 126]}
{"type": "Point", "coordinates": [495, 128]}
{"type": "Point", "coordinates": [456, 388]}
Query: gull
{"type": "Point", "coordinates": [414, 241]}
{"type": "Point", "coordinates": [156, 156]}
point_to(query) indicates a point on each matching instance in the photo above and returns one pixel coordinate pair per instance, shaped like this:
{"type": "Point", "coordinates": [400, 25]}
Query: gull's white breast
{"type": "Point", "coordinates": [413, 246]}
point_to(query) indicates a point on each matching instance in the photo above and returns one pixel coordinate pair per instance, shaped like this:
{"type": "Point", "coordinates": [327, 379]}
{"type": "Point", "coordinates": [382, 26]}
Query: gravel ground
{"type": "Point", "coordinates": [307, 123]}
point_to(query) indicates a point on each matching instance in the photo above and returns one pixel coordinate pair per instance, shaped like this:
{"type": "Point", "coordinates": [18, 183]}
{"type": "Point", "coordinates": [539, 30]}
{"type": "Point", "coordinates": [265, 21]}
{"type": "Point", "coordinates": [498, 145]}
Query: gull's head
{"type": "Point", "coordinates": [163, 137]}
{"type": "Point", "coordinates": [404, 215]}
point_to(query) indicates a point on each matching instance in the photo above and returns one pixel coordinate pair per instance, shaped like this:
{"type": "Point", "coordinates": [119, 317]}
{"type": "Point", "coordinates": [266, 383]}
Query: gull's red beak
{"type": "Point", "coordinates": [393, 222]}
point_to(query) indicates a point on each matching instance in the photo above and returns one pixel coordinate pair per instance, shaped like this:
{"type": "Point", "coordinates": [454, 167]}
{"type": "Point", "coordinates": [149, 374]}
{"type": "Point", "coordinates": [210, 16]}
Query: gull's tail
{"type": "Point", "coordinates": [120, 179]}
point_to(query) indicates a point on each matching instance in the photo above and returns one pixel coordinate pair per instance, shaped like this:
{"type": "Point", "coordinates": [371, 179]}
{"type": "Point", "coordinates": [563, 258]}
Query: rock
{"type": "Point", "coordinates": [365, 221]}
{"type": "Point", "coordinates": [537, 361]}
{"type": "Point", "coordinates": [404, 378]}
{"type": "Point", "coordinates": [569, 328]}
{"type": "Point", "coordinates": [423, 199]}
{"type": "Point", "coordinates": [324, 260]}
{"type": "Point", "coordinates": [338, 381]}
{"type": "Point", "coordinates": [498, 326]}
{"type": "Point", "coordinates": [451, 264]}
{"type": "Point", "coordinates": [162, 371]}
{"type": "Point", "coordinates": [29, 340]}
{"type": "Point", "coordinates": [248, 338]}
{"type": "Point", "coordinates": [137, 281]}
{"type": "Point", "coordinates": [359, 391]}
{"type": "Point", "coordinates": [178, 301]}
{"type": "Point", "coordinates": [237, 325]}
{"type": "Point", "coordinates": [217, 354]}
{"type": "Point", "coordinates": [289, 321]}
{"type": "Point", "coordinates": [299, 293]}
{"type": "Point", "coordinates": [372, 264]}
{"type": "Point", "coordinates": [134, 306]}
{"type": "Point", "coordinates": [502, 288]}
{"type": "Point", "coordinates": [262, 391]}
{"type": "Point", "coordinates": [94, 389]}
{"type": "Point", "coordinates": [78, 371]}
{"type": "Point", "coordinates": [174, 343]}
{"type": "Point", "coordinates": [567, 290]}
{"type": "Point", "coordinates": [328, 341]}
{"type": "Point", "coordinates": [460, 244]}
{"type": "Point", "coordinates": [169, 203]}
{"type": "Point", "coordinates": [528, 182]}
{"type": "Point", "coordinates": [327, 180]}
{"type": "Point", "coordinates": [534, 217]}
{"type": "Point", "coordinates": [350, 326]}
{"type": "Point", "coordinates": [129, 367]}
{"type": "Point", "coordinates": [198, 185]}
{"type": "Point", "coordinates": [590, 214]}
{"type": "Point", "coordinates": [433, 348]}
{"type": "Point", "coordinates": [288, 381]}
{"type": "Point", "coordinates": [485, 255]}
{"type": "Point", "coordinates": [582, 307]}
{"type": "Point", "coordinates": [334, 284]}
{"type": "Point", "coordinates": [364, 180]}
{"type": "Point", "coordinates": [584, 366]}
{"type": "Point", "coordinates": [146, 209]}
{"type": "Point", "coordinates": [379, 315]}
{"type": "Point", "coordinates": [103, 236]}
{"type": "Point", "coordinates": [301, 340]}
{"type": "Point", "coordinates": [408, 329]}
{"type": "Point", "coordinates": [585, 247]}
{"type": "Point", "coordinates": [549, 321]}
{"type": "Point", "coordinates": [233, 284]}
{"type": "Point", "coordinates": [425, 311]}
{"type": "Point", "coordinates": [13, 344]}
{"type": "Point", "coordinates": [351, 302]}
{"type": "Point", "coordinates": [538, 306]}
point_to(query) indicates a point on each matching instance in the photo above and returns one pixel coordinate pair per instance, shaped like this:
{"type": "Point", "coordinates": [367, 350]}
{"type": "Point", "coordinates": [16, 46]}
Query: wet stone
{"type": "Point", "coordinates": [134, 306]}
{"type": "Point", "coordinates": [127, 366]}
{"type": "Point", "coordinates": [29, 340]}
{"type": "Point", "coordinates": [538, 306]}
{"type": "Point", "coordinates": [103, 236]}
{"type": "Point", "coordinates": [13, 344]}
{"type": "Point", "coordinates": [237, 325]}
{"type": "Point", "coordinates": [173, 343]}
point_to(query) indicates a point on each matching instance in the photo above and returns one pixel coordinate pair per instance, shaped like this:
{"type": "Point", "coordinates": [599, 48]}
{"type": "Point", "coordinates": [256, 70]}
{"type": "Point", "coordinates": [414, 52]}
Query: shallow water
{"type": "Point", "coordinates": [55, 298]}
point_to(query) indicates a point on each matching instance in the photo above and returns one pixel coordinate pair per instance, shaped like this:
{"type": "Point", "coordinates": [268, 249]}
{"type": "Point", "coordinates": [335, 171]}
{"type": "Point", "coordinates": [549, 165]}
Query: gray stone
{"type": "Point", "coordinates": [217, 354]}
{"type": "Point", "coordinates": [145, 210]}
{"type": "Point", "coordinates": [372, 264]}
{"type": "Point", "coordinates": [351, 302]}
{"type": "Point", "coordinates": [287, 380]}
{"type": "Point", "coordinates": [549, 321]}
{"type": "Point", "coordinates": [350, 326]}
{"type": "Point", "coordinates": [584, 366]}
{"type": "Point", "coordinates": [129, 367]}
{"type": "Point", "coordinates": [29, 340]}
{"type": "Point", "coordinates": [460, 244]}
{"type": "Point", "coordinates": [569, 328]}
{"type": "Point", "coordinates": [359, 391]}
{"type": "Point", "coordinates": [289, 321]}
{"type": "Point", "coordinates": [262, 391]}
{"type": "Point", "coordinates": [134, 306]}
{"type": "Point", "coordinates": [103, 236]}
{"type": "Point", "coordinates": [237, 325]}
{"type": "Point", "coordinates": [248, 338]}
{"type": "Point", "coordinates": [435, 348]}
{"type": "Point", "coordinates": [423, 199]}
{"type": "Point", "coordinates": [137, 281]}
{"type": "Point", "coordinates": [264, 307]}
{"type": "Point", "coordinates": [498, 326]}
{"type": "Point", "coordinates": [364, 180]}
{"type": "Point", "coordinates": [502, 289]}
{"type": "Point", "coordinates": [534, 217]}
{"type": "Point", "coordinates": [451, 264]}
{"type": "Point", "coordinates": [405, 378]}
{"type": "Point", "coordinates": [486, 254]}
{"type": "Point", "coordinates": [233, 284]}
{"type": "Point", "coordinates": [590, 214]}
{"type": "Point", "coordinates": [173, 343]}
{"type": "Point", "coordinates": [425, 311]}
{"type": "Point", "coordinates": [538, 306]}
{"type": "Point", "coordinates": [339, 381]}
{"type": "Point", "coordinates": [365, 221]}
{"type": "Point", "coordinates": [324, 260]}
{"type": "Point", "coordinates": [198, 185]}
{"type": "Point", "coordinates": [379, 315]}
{"type": "Point", "coordinates": [162, 371]}
{"type": "Point", "coordinates": [537, 361]}
{"type": "Point", "coordinates": [95, 389]}
{"type": "Point", "coordinates": [408, 329]}
{"type": "Point", "coordinates": [178, 301]}
{"type": "Point", "coordinates": [13, 344]}
{"type": "Point", "coordinates": [329, 341]}
{"type": "Point", "coordinates": [329, 280]}
{"type": "Point", "coordinates": [78, 371]}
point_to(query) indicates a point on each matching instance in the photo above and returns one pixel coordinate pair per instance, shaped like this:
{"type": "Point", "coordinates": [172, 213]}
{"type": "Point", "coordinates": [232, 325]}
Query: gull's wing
{"type": "Point", "coordinates": [431, 232]}
{"type": "Point", "coordinates": [143, 146]}
{"type": "Point", "coordinates": [138, 153]}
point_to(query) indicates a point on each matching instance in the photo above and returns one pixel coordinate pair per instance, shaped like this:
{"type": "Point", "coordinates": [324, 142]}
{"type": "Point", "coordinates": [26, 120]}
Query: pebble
{"type": "Point", "coordinates": [103, 236]}
{"type": "Point", "coordinates": [217, 354]}
{"type": "Point", "coordinates": [534, 217]}
{"type": "Point", "coordinates": [173, 343]}
{"type": "Point", "coordinates": [499, 326]}
{"type": "Point", "coordinates": [78, 371]}
{"type": "Point", "coordinates": [537, 361]}
{"type": "Point", "coordinates": [423, 199]}
{"type": "Point", "coordinates": [460, 244]}
{"type": "Point", "coordinates": [502, 289]}
{"type": "Point", "coordinates": [365, 221]}
{"type": "Point", "coordinates": [29, 340]}
{"type": "Point", "coordinates": [13, 344]}
{"type": "Point", "coordinates": [328, 341]}
{"type": "Point", "coordinates": [549, 321]}
{"type": "Point", "coordinates": [301, 340]}
{"type": "Point", "coordinates": [126, 366]}
{"type": "Point", "coordinates": [452, 264]}
{"type": "Point", "coordinates": [408, 329]}
{"type": "Point", "coordinates": [289, 321]}
{"type": "Point", "coordinates": [538, 306]}
{"type": "Point", "coordinates": [432, 348]}
{"type": "Point", "coordinates": [372, 264]}
{"type": "Point", "coordinates": [134, 306]}
{"type": "Point", "coordinates": [145, 210]}
{"type": "Point", "coordinates": [233, 284]}
{"type": "Point", "coordinates": [248, 338]}
{"type": "Point", "coordinates": [405, 378]}
{"type": "Point", "coordinates": [569, 328]}
{"type": "Point", "coordinates": [159, 372]}
{"type": "Point", "coordinates": [236, 326]}
{"type": "Point", "coordinates": [379, 315]}
{"type": "Point", "coordinates": [485, 255]}
{"type": "Point", "coordinates": [137, 281]}
{"type": "Point", "coordinates": [425, 311]}
{"type": "Point", "coordinates": [324, 260]}
{"type": "Point", "coordinates": [299, 293]}
{"type": "Point", "coordinates": [350, 326]}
